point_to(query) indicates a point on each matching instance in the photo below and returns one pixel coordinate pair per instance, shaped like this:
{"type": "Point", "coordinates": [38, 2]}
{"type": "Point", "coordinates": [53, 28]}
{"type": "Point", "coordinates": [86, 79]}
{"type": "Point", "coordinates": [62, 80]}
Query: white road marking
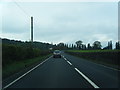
{"type": "Point", "coordinates": [25, 74]}
{"type": "Point", "coordinates": [108, 67]}
{"type": "Point", "coordinates": [65, 58]}
{"type": "Point", "coordinates": [69, 63]}
{"type": "Point", "coordinates": [91, 82]}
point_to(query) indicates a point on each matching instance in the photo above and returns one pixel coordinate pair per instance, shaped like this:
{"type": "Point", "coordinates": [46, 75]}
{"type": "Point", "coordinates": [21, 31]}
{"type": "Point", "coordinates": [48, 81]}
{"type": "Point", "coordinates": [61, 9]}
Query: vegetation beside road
{"type": "Point", "coordinates": [93, 50]}
{"type": "Point", "coordinates": [106, 57]}
{"type": "Point", "coordinates": [16, 57]}
{"type": "Point", "coordinates": [17, 66]}
{"type": "Point", "coordinates": [11, 53]}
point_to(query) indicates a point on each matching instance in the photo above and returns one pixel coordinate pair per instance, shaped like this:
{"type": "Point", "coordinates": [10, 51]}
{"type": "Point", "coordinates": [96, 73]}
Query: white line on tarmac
{"type": "Point", "coordinates": [25, 74]}
{"type": "Point", "coordinates": [69, 63]}
{"type": "Point", "coordinates": [91, 82]}
{"type": "Point", "coordinates": [65, 58]}
{"type": "Point", "coordinates": [108, 67]}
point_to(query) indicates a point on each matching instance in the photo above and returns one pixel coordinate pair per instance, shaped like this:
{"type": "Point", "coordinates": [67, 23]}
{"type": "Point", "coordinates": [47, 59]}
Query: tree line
{"type": "Point", "coordinates": [80, 46]}
{"type": "Point", "coordinates": [13, 50]}
{"type": "Point", "coordinates": [40, 45]}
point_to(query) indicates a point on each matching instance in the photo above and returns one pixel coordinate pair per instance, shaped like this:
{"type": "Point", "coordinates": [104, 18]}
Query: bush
{"type": "Point", "coordinates": [110, 57]}
{"type": "Point", "coordinates": [12, 53]}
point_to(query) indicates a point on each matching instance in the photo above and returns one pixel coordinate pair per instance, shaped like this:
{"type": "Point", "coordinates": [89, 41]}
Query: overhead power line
{"type": "Point", "coordinates": [21, 8]}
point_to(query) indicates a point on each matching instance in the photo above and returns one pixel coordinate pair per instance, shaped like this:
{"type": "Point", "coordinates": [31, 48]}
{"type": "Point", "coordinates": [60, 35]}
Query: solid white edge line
{"type": "Point", "coordinates": [108, 67]}
{"type": "Point", "coordinates": [91, 82]}
{"type": "Point", "coordinates": [25, 74]}
{"type": "Point", "coordinates": [69, 63]}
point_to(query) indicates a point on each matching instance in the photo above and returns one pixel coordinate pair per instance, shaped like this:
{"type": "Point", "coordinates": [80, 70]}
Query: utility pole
{"type": "Point", "coordinates": [31, 29]}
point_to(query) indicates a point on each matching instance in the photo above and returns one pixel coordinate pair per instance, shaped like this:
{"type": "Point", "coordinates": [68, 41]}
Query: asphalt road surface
{"type": "Point", "coordinates": [67, 72]}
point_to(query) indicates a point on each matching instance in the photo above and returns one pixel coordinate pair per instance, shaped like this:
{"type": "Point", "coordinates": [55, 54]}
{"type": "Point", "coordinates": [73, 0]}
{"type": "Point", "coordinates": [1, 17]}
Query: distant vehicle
{"type": "Point", "coordinates": [57, 54]}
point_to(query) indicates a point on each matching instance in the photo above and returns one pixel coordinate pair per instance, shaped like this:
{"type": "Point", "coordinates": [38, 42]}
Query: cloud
{"type": "Point", "coordinates": [61, 22]}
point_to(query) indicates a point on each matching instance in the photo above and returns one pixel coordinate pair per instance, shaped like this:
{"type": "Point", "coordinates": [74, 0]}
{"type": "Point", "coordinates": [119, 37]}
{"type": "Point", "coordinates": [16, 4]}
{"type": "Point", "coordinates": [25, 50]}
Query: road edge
{"type": "Point", "coordinates": [27, 72]}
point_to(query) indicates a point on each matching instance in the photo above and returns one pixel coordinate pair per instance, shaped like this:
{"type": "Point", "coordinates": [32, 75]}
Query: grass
{"type": "Point", "coordinates": [93, 50]}
{"type": "Point", "coordinates": [17, 66]}
{"type": "Point", "coordinates": [105, 57]}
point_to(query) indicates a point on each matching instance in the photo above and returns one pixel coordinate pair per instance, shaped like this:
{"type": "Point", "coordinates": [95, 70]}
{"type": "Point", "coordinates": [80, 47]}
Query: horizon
{"type": "Point", "coordinates": [113, 44]}
{"type": "Point", "coordinates": [61, 22]}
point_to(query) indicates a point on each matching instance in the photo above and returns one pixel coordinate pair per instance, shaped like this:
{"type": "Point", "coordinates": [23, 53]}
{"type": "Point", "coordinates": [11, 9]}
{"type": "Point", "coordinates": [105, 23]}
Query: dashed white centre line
{"type": "Point", "coordinates": [91, 82]}
{"type": "Point", "coordinates": [65, 58]}
{"type": "Point", "coordinates": [86, 78]}
{"type": "Point", "coordinates": [69, 63]}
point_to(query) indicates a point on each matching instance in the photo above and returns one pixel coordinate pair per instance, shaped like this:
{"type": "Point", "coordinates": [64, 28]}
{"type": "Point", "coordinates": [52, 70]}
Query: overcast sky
{"type": "Point", "coordinates": [61, 21]}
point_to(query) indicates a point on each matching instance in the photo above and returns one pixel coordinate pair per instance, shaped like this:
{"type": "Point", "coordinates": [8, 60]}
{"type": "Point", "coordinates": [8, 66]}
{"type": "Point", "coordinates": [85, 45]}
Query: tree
{"type": "Point", "coordinates": [79, 44]}
{"type": "Point", "coordinates": [97, 45]}
{"type": "Point", "coordinates": [83, 46]}
{"type": "Point", "coordinates": [75, 47]}
{"type": "Point", "coordinates": [117, 45]}
{"type": "Point", "coordinates": [61, 45]}
{"type": "Point", "coordinates": [67, 46]}
{"type": "Point", "coordinates": [110, 45]}
{"type": "Point", "coordinates": [72, 46]}
{"type": "Point", "coordinates": [89, 47]}
{"type": "Point", "coordinates": [105, 48]}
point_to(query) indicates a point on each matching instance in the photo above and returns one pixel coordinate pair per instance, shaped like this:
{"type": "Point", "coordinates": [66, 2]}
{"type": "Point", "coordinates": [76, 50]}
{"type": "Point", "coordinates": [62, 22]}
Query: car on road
{"type": "Point", "coordinates": [57, 54]}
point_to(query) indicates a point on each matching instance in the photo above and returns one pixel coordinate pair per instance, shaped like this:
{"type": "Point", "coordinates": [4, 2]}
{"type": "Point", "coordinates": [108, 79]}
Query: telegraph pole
{"type": "Point", "coordinates": [31, 29]}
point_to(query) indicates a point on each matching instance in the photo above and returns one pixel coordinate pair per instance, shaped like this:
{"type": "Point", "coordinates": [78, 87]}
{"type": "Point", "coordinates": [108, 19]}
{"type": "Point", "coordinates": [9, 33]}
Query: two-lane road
{"type": "Point", "coordinates": [67, 72]}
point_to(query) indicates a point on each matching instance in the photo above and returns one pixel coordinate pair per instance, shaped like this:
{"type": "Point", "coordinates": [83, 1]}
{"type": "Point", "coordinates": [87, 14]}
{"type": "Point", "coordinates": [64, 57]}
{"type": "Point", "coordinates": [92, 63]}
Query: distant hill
{"type": "Point", "coordinates": [42, 46]}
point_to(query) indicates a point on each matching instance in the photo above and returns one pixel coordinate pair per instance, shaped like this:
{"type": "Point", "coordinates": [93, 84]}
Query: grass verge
{"type": "Point", "coordinates": [17, 66]}
{"type": "Point", "coordinates": [105, 57]}
{"type": "Point", "coordinates": [93, 50]}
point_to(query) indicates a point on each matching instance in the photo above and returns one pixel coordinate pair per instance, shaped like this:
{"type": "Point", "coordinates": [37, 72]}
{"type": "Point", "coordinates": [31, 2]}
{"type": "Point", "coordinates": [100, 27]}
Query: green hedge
{"type": "Point", "coordinates": [105, 56]}
{"type": "Point", "coordinates": [12, 53]}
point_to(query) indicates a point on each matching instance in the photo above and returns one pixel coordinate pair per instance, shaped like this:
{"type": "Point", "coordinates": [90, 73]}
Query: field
{"type": "Point", "coordinates": [106, 57]}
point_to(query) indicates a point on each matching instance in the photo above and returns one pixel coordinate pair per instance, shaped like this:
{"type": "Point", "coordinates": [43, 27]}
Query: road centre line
{"type": "Point", "coordinates": [62, 56]}
{"type": "Point", "coordinates": [25, 74]}
{"type": "Point", "coordinates": [69, 63]}
{"type": "Point", "coordinates": [91, 82]}
{"type": "Point", "coordinates": [65, 58]}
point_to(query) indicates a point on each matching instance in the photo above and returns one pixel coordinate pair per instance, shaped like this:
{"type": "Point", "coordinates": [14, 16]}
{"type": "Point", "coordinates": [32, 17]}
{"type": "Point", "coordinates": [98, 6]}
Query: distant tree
{"type": "Point", "coordinates": [117, 45]}
{"type": "Point", "coordinates": [97, 45]}
{"type": "Point", "coordinates": [75, 47]}
{"type": "Point", "coordinates": [83, 46]}
{"type": "Point", "coordinates": [110, 45]}
{"type": "Point", "coordinates": [69, 45]}
{"type": "Point", "coordinates": [61, 46]}
{"type": "Point", "coordinates": [89, 47]}
{"type": "Point", "coordinates": [72, 46]}
{"type": "Point", "coordinates": [79, 44]}
{"type": "Point", "coordinates": [105, 48]}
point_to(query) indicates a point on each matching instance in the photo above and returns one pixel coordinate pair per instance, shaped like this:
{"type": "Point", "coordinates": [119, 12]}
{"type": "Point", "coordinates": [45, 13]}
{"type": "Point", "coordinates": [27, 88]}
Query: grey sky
{"type": "Point", "coordinates": [61, 22]}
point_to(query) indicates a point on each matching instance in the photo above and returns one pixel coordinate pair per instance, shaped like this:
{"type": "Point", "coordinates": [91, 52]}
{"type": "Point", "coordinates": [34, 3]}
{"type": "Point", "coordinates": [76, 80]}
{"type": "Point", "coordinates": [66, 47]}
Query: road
{"type": "Point", "coordinates": [67, 72]}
